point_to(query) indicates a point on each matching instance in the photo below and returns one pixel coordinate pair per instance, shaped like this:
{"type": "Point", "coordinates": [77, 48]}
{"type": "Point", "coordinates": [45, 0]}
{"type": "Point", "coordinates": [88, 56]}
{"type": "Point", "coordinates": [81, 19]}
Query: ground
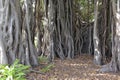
{"type": "Point", "coordinates": [80, 68]}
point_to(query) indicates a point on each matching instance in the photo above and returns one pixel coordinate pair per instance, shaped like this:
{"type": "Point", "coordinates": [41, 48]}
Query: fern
{"type": "Point", "coordinates": [47, 68]}
{"type": "Point", "coordinates": [14, 72]}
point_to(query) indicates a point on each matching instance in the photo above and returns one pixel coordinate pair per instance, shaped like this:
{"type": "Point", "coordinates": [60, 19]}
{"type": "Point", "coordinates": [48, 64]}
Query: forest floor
{"type": "Point", "coordinates": [80, 68]}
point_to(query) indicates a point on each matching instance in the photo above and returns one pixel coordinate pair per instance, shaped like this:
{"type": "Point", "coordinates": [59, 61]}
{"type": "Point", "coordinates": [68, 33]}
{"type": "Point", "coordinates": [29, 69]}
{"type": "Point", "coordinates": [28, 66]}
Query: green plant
{"type": "Point", "coordinates": [14, 72]}
{"type": "Point", "coordinates": [47, 68]}
{"type": "Point", "coordinates": [43, 59]}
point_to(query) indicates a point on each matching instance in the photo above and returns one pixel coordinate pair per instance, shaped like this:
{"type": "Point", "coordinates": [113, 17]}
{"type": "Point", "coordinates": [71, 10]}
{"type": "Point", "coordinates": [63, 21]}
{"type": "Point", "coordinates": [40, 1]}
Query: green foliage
{"type": "Point", "coordinates": [14, 72]}
{"type": "Point", "coordinates": [21, 2]}
{"type": "Point", "coordinates": [85, 9]}
{"type": "Point", "coordinates": [47, 68]}
{"type": "Point", "coordinates": [43, 59]}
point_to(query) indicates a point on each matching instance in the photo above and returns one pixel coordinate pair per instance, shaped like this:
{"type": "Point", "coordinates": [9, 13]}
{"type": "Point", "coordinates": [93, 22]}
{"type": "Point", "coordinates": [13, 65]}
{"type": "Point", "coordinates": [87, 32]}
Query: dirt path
{"type": "Point", "coordinates": [81, 68]}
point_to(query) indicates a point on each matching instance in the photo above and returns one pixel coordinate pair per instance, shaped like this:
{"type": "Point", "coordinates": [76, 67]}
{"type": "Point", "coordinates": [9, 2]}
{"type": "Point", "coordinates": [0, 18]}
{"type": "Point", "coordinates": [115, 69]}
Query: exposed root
{"type": "Point", "coordinates": [110, 67]}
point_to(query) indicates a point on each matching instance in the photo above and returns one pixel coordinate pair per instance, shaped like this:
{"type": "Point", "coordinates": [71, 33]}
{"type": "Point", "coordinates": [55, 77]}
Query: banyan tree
{"type": "Point", "coordinates": [60, 28]}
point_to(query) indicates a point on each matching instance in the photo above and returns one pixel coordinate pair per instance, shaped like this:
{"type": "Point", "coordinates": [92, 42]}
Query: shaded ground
{"type": "Point", "coordinates": [81, 68]}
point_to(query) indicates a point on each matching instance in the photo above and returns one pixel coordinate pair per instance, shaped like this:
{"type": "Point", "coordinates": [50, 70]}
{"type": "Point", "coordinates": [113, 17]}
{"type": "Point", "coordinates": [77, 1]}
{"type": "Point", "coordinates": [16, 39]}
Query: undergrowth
{"type": "Point", "coordinates": [44, 61]}
{"type": "Point", "coordinates": [16, 71]}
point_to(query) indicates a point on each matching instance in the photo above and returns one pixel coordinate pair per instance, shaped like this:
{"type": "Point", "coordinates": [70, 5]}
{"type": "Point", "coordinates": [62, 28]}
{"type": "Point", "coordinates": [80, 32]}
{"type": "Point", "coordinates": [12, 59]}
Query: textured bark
{"type": "Point", "coordinates": [59, 29]}
{"type": "Point", "coordinates": [39, 31]}
{"type": "Point", "coordinates": [29, 25]}
{"type": "Point", "coordinates": [97, 52]}
{"type": "Point", "coordinates": [3, 56]}
{"type": "Point", "coordinates": [114, 65]}
{"type": "Point", "coordinates": [16, 37]}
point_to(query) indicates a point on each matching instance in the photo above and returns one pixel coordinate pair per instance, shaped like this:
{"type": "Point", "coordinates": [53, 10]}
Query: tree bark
{"type": "Point", "coordinates": [97, 52]}
{"type": "Point", "coordinates": [15, 38]}
{"type": "Point", "coordinates": [114, 65]}
{"type": "Point", "coordinates": [60, 34]}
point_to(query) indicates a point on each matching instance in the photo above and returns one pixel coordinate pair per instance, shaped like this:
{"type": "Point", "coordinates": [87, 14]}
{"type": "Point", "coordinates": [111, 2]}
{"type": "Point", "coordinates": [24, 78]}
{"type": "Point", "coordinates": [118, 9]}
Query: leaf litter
{"type": "Point", "coordinates": [80, 68]}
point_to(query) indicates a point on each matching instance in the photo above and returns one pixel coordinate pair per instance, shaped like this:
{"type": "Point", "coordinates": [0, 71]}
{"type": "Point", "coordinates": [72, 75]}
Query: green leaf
{"type": "Point", "coordinates": [16, 71]}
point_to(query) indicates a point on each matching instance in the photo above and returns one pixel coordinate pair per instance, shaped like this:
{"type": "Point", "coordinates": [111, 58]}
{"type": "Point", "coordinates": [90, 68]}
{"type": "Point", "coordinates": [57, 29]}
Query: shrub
{"type": "Point", "coordinates": [14, 72]}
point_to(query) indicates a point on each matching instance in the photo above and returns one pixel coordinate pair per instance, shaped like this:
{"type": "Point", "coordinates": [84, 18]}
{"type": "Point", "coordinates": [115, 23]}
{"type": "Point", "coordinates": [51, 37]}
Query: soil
{"type": "Point", "coordinates": [80, 68]}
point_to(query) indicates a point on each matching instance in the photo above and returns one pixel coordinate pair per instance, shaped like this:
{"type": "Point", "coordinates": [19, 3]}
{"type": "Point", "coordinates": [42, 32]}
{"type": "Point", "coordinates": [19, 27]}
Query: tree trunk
{"type": "Point", "coordinates": [59, 29]}
{"type": "Point", "coordinates": [114, 65]}
{"type": "Point", "coordinates": [15, 37]}
{"type": "Point", "coordinates": [3, 55]}
{"type": "Point", "coordinates": [97, 52]}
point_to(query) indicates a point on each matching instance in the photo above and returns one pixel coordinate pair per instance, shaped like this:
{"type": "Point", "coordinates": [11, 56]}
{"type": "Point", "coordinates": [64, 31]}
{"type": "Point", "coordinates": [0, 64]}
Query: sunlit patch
{"type": "Point", "coordinates": [103, 74]}
{"type": "Point", "coordinates": [96, 42]}
{"type": "Point", "coordinates": [78, 65]}
{"type": "Point", "coordinates": [70, 78]}
{"type": "Point", "coordinates": [45, 21]}
{"type": "Point", "coordinates": [118, 24]}
{"type": "Point", "coordinates": [97, 51]}
{"type": "Point", "coordinates": [118, 49]}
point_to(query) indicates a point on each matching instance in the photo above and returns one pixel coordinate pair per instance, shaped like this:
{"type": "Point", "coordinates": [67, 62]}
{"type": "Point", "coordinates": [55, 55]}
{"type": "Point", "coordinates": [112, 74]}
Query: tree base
{"type": "Point", "coordinates": [110, 67]}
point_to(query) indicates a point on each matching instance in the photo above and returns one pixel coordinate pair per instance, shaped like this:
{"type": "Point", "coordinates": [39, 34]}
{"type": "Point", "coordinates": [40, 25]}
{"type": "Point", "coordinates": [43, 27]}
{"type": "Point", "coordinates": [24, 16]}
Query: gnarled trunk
{"type": "Point", "coordinates": [59, 29]}
{"type": "Point", "coordinates": [114, 65]}
{"type": "Point", "coordinates": [15, 38]}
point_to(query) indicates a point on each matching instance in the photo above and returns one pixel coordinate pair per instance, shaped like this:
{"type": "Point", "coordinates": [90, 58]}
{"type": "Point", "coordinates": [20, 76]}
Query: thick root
{"type": "Point", "coordinates": [110, 67]}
